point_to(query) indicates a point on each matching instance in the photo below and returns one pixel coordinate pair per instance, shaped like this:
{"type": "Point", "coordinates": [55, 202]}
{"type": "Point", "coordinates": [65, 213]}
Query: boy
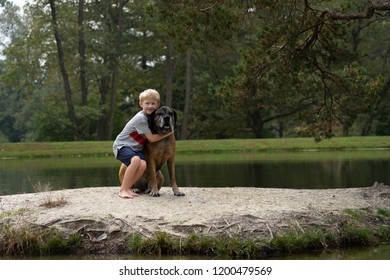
{"type": "Point", "coordinates": [128, 146]}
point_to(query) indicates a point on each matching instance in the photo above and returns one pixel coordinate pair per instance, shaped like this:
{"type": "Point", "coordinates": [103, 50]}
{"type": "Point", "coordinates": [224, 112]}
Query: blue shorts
{"type": "Point", "coordinates": [125, 154]}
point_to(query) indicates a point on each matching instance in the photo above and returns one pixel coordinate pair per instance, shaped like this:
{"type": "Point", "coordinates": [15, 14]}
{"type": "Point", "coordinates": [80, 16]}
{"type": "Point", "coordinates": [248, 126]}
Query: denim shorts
{"type": "Point", "coordinates": [125, 154]}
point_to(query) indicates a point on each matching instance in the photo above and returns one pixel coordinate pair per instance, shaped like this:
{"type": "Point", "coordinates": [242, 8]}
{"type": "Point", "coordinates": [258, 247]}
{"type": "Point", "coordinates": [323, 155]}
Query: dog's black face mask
{"type": "Point", "coordinates": [162, 120]}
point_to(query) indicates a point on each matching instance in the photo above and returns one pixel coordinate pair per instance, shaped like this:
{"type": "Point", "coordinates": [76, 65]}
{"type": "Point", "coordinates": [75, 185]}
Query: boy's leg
{"type": "Point", "coordinates": [133, 172]}
{"type": "Point", "coordinates": [140, 171]}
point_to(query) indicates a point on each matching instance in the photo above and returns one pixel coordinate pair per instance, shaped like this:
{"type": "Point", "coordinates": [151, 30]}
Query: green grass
{"type": "Point", "coordinates": [344, 233]}
{"type": "Point", "coordinates": [283, 144]}
{"type": "Point", "coordinates": [356, 230]}
{"type": "Point", "coordinates": [104, 148]}
{"type": "Point", "coordinates": [365, 228]}
{"type": "Point", "coordinates": [36, 241]}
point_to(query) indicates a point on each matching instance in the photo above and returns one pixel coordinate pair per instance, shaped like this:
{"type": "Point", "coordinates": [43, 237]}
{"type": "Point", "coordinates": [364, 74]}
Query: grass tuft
{"type": "Point", "coordinates": [354, 234]}
{"type": "Point", "coordinates": [40, 187]}
{"type": "Point", "coordinates": [309, 240]}
{"type": "Point", "coordinates": [49, 201]}
{"type": "Point", "coordinates": [33, 241]}
{"type": "Point", "coordinates": [383, 212]}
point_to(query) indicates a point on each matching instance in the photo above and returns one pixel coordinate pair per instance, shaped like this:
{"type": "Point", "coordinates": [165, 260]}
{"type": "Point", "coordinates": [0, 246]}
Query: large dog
{"type": "Point", "coordinates": [161, 121]}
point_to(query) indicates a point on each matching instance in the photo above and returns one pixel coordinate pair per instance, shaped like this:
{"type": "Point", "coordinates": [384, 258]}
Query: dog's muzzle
{"type": "Point", "coordinates": [165, 124]}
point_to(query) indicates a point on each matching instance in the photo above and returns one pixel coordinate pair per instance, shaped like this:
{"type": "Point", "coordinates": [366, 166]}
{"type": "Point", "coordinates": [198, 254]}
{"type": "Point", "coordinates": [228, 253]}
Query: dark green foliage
{"type": "Point", "coordinates": [259, 68]}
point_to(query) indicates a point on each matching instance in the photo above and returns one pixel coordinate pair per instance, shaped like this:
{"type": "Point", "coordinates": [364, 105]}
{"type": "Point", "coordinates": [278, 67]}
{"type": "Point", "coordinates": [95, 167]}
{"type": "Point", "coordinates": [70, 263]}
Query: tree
{"type": "Point", "coordinates": [18, 72]}
{"type": "Point", "coordinates": [98, 49]}
{"type": "Point", "coordinates": [64, 72]}
{"type": "Point", "coordinates": [200, 22]}
{"type": "Point", "coordinates": [370, 42]}
{"type": "Point", "coordinates": [281, 68]}
{"type": "Point", "coordinates": [299, 62]}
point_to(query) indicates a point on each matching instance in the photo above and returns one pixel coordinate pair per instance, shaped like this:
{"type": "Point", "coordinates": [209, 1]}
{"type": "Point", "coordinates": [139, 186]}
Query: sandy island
{"type": "Point", "coordinates": [106, 220]}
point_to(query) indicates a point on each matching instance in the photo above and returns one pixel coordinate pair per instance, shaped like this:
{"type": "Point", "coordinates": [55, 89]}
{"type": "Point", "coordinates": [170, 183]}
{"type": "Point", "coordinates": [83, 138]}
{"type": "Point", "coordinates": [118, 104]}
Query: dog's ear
{"type": "Point", "coordinates": [151, 122]}
{"type": "Point", "coordinates": [174, 116]}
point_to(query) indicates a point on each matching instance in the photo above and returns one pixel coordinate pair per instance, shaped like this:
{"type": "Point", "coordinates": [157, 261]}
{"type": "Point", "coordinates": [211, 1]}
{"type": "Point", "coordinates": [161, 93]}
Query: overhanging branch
{"type": "Point", "coordinates": [371, 9]}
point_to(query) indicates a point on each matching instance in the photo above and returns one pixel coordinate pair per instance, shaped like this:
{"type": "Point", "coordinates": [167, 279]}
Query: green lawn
{"type": "Point", "coordinates": [103, 148]}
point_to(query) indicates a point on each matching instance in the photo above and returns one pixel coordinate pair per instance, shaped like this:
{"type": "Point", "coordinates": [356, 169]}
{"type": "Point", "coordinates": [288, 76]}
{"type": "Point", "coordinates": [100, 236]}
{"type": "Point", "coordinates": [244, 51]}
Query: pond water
{"type": "Point", "coordinates": [309, 170]}
{"type": "Point", "coordinates": [380, 252]}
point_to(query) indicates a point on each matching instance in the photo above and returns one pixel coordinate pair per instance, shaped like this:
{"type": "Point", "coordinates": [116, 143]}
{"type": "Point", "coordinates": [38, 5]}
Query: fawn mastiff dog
{"type": "Point", "coordinates": [161, 121]}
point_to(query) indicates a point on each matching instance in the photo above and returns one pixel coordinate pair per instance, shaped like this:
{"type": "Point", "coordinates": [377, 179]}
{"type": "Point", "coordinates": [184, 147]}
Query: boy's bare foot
{"type": "Point", "coordinates": [127, 194]}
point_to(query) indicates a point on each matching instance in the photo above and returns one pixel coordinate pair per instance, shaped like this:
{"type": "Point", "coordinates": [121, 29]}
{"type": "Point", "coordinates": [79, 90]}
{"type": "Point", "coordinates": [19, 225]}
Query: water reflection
{"type": "Point", "coordinates": [276, 170]}
{"type": "Point", "coordinates": [315, 174]}
{"type": "Point", "coordinates": [381, 252]}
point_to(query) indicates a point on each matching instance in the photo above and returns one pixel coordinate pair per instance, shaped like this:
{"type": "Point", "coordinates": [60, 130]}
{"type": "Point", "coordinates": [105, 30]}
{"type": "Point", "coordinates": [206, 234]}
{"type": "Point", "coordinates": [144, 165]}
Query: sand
{"type": "Point", "coordinates": [106, 220]}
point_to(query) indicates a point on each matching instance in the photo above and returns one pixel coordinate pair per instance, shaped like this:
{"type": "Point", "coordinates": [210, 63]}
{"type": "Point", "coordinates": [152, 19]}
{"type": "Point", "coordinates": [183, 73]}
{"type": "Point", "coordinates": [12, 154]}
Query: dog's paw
{"type": "Point", "coordinates": [147, 191]}
{"type": "Point", "coordinates": [154, 194]}
{"type": "Point", "coordinates": [179, 194]}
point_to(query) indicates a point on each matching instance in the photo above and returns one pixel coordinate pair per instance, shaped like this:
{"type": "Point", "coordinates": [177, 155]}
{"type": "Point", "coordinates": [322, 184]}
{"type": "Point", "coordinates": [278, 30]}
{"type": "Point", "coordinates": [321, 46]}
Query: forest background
{"type": "Point", "coordinates": [73, 69]}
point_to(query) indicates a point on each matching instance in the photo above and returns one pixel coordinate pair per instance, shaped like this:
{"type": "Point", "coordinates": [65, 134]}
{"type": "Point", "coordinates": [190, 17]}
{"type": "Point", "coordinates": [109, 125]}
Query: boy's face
{"type": "Point", "coordinates": [149, 105]}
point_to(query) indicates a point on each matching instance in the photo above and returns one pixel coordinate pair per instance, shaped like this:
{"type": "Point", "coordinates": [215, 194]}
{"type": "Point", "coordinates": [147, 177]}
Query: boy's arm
{"type": "Point", "coordinates": [156, 137]}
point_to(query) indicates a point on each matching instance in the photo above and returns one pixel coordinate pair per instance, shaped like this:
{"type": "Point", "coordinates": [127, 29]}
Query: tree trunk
{"type": "Point", "coordinates": [169, 81]}
{"type": "Point", "coordinates": [257, 123]}
{"type": "Point", "coordinates": [83, 80]}
{"type": "Point", "coordinates": [104, 88]}
{"type": "Point", "coordinates": [346, 130]}
{"type": "Point", "coordinates": [108, 82]}
{"type": "Point", "coordinates": [67, 88]}
{"type": "Point", "coordinates": [184, 128]}
{"type": "Point", "coordinates": [115, 68]}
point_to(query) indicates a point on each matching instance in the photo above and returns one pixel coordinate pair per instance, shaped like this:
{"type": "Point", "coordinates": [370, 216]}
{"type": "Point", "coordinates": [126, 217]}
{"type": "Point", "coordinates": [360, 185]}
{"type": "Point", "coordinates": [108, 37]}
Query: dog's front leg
{"type": "Point", "coordinates": [172, 177]}
{"type": "Point", "coordinates": [153, 180]}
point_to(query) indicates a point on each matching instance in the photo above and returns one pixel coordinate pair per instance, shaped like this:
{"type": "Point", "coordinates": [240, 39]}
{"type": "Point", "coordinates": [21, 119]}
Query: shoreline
{"type": "Point", "coordinates": [188, 147]}
{"type": "Point", "coordinates": [105, 222]}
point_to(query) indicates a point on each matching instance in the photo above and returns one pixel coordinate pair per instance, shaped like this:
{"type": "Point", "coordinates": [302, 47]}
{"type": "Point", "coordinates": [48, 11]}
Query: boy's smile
{"type": "Point", "coordinates": [149, 105]}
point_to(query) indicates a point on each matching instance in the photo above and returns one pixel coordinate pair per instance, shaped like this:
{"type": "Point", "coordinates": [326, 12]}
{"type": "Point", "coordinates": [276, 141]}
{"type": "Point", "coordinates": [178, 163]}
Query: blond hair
{"type": "Point", "coordinates": [149, 94]}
